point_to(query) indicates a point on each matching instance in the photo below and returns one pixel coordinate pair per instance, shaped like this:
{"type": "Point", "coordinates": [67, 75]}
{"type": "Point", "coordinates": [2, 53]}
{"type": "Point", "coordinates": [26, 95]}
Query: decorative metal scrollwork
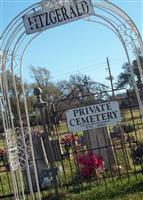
{"type": "Point", "coordinates": [24, 147]}
{"type": "Point", "coordinates": [12, 150]}
{"type": "Point", "coordinates": [19, 142]}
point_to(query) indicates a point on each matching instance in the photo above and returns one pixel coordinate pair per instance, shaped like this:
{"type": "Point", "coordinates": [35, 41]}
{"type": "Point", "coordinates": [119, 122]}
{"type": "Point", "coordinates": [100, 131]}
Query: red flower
{"type": "Point", "coordinates": [89, 162]}
{"type": "Point", "coordinates": [99, 162]}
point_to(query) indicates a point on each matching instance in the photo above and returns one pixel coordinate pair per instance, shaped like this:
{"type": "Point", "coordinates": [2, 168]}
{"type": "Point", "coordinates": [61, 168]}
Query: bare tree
{"type": "Point", "coordinates": [42, 80]}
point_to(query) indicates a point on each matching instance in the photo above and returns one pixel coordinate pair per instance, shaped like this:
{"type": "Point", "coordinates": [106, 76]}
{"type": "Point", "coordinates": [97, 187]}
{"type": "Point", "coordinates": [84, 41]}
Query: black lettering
{"type": "Point", "coordinates": [75, 112]}
{"type": "Point", "coordinates": [109, 115]}
{"type": "Point", "coordinates": [91, 109]}
{"type": "Point", "coordinates": [72, 122]}
{"type": "Point", "coordinates": [85, 6]}
{"type": "Point", "coordinates": [72, 12]}
{"type": "Point", "coordinates": [40, 17]}
{"type": "Point", "coordinates": [102, 107]}
{"type": "Point", "coordinates": [82, 111]}
{"type": "Point", "coordinates": [97, 116]}
{"type": "Point", "coordinates": [83, 120]}
{"type": "Point", "coordinates": [115, 114]}
{"type": "Point", "coordinates": [104, 117]}
{"type": "Point", "coordinates": [60, 19]}
{"type": "Point", "coordinates": [108, 106]}
{"type": "Point", "coordinates": [92, 119]}
{"type": "Point", "coordinates": [64, 12]}
{"type": "Point", "coordinates": [78, 8]}
{"type": "Point", "coordinates": [35, 19]}
{"type": "Point", "coordinates": [87, 119]}
{"type": "Point", "coordinates": [30, 23]}
{"type": "Point", "coordinates": [87, 110]}
{"type": "Point", "coordinates": [52, 17]}
{"type": "Point", "coordinates": [97, 109]}
{"type": "Point", "coordinates": [78, 121]}
{"type": "Point", "coordinates": [47, 19]}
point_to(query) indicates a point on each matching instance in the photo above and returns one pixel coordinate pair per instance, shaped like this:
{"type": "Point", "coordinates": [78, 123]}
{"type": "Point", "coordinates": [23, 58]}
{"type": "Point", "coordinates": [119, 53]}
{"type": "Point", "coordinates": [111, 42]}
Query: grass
{"type": "Point", "coordinates": [90, 191]}
{"type": "Point", "coordinates": [4, 185]}
{"type": "Point", "coordinates": [126, 190]}
{"type": "Point", "coordinates": [120, 191]}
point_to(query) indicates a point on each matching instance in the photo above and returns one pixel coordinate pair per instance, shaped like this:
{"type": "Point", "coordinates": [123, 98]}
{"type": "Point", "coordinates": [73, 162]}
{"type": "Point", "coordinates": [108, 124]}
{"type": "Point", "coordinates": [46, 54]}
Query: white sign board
{"type": "Point", "coordinates": [45, 18]}
{"type": "Point", "coordinates": [93, 116]}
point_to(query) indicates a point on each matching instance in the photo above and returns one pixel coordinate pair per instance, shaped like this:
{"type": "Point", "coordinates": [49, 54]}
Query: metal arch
{"type": "Point", "coordinates": [23, 135]}
{"type": "Point", "coordinates": [124, 44]}
{"type": "Point", "coordinates": [18, 42]}
{"type": "Point", "coordinates": [116, 31]}
{"type": "Point", "coordinates": [16, 19]}
{"type": "Point", "coordinates": [14, 29]}
{"type": "Point", "coordinates": [129, 20]}
{"type": "Point", "coordinates": [131, 27]}
{"type": "Point", "coordinates": [21, 38]}
{"type": "Point", "coordinates": [7, 47]}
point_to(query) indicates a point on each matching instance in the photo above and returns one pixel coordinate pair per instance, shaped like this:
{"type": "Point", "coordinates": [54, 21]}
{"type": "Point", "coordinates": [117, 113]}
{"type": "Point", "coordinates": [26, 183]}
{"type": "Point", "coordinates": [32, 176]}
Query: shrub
{"type": "Point", "coordinates": [128, 128]}
{"type": "Point", "coordinates": [89, 163]}
{"type": "Point", "coordinates": [138, 154]}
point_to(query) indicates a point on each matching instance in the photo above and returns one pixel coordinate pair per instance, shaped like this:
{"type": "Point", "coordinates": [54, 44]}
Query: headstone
{"type": "Point", "coordinates": [40, 163]}
{"type": "Point", "coordinates": [100, 142]}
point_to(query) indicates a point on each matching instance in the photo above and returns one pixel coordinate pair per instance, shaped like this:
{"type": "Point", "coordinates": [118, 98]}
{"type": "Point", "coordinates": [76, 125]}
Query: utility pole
{"type": "Point", "coordinates": [110, 77]}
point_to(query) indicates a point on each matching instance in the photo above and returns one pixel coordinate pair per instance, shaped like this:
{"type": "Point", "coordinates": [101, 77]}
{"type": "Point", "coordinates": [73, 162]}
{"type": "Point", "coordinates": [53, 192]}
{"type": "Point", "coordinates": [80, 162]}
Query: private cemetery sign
{"type": "Point", "coordinates": [48, 18]}
{"type": "Point", "coordinates": [93, 116]}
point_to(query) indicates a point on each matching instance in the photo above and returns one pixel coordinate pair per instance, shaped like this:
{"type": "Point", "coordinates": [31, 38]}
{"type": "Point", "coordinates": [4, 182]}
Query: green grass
{"type": "Point", "coordinates": [2, 145]}
{"type": "Point", "coordinates": [4, 185]}
{"type": "Point", "coordinates": [126, 190]}
{"type": "Point", "coordinates": [90, 191]}
{"type": "Point", "coordinates": [119, 191]}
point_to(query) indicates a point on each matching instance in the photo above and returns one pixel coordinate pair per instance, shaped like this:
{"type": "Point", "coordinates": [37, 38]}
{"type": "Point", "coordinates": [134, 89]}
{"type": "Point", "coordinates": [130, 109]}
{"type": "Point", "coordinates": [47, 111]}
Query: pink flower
{"type": "Point", "coordinates": [69, 139]}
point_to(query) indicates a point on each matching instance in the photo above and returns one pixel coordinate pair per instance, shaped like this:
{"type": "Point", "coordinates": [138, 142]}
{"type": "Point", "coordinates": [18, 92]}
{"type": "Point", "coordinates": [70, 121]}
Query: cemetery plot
{"type": "Point", "coordinates": [92, 156]}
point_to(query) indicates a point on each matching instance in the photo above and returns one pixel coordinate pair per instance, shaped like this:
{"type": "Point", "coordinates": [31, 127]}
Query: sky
{"type": "Point", "coordinates": [77, 47]}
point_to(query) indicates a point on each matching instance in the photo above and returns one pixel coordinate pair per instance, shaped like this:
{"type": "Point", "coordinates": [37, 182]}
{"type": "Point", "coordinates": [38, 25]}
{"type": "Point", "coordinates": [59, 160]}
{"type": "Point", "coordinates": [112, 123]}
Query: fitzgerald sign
{"type": "Point", "coordinates": [93, 116]}
{"type": "Point", "coordinates": [45, 19]}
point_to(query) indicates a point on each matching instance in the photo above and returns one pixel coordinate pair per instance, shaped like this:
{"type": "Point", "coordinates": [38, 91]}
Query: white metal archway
{"type": "Point", "coordinates": [14, 41]}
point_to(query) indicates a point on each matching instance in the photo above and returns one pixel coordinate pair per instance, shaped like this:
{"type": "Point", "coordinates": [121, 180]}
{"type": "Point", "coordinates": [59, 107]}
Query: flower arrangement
{"type": "Point", "coordinates": [4, 158]}
{"type": "Point", "coordinates": [3, 154]}
{"type": "Point", "coordinates": [90, 163]}
{"type": "Point", "coordinates": [69, 140]}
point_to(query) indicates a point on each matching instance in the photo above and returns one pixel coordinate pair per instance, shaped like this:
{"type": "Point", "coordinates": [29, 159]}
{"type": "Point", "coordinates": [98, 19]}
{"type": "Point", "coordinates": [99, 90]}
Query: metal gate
{"type": "Point", "coordinates": [75, 159]}
{"type": "Point", "coordinates": [86, 157]}
{"type": "Point", "coordinates": [79, 158]}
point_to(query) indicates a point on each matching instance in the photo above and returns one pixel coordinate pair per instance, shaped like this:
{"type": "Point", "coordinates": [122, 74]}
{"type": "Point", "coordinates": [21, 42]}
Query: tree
{"type": "Point", "coordinates": [80, 90]}
{"type": "Point", "coordinates": [42, 78]}
{"type": "Point", "coordinates": [80, 85]}
{"type": "Point", "coordinates": [125, 78]}
{"type": "Point", "coordinates": [136, 71]}
{"type": "Point", "coordinates": [19, 92]}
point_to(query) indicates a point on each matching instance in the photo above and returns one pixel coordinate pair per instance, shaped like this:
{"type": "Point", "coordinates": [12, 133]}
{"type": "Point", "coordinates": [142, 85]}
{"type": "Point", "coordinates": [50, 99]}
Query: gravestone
{"type": "Point", "coordinates": [46, 175]}
{"type": "Point", "coordinates": [40, 161]}
{"type": "Point", "coordinates": [100, 142]}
